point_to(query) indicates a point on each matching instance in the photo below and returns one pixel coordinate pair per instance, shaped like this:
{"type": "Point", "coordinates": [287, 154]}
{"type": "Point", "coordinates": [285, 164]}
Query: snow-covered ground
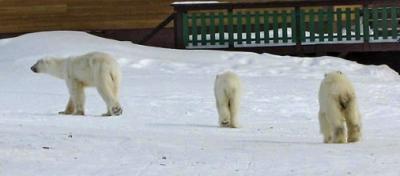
{"type": "Point", "coordinates": [169, 125]}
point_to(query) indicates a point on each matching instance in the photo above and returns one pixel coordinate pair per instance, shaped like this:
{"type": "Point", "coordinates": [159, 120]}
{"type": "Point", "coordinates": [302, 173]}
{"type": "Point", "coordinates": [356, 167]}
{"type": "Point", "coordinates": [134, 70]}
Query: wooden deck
{"type": "Point", "coordinates": [290, 27]}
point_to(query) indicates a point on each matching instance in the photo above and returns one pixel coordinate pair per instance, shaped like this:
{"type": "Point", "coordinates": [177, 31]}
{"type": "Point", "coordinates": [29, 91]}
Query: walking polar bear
{"type": "Point", "coordinates": [338, 109]}
{"type": "Point", "coordinates": [227, 90]}
{"type": "Point", "coordinates": [92, 69]}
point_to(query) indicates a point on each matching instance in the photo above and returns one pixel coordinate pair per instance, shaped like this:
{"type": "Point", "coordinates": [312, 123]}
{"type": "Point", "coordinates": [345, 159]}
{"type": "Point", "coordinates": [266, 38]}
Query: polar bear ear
{"type": "Point", "coordinates": [325, 75]}
{"type": "Point", "coordinates": [339, 72]}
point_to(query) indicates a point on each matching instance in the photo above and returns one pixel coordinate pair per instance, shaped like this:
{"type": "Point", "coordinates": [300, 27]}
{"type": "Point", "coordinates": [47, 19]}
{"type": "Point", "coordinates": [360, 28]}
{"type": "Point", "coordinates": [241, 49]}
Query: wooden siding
{"type": "Point", "coordinates": [18, 16]}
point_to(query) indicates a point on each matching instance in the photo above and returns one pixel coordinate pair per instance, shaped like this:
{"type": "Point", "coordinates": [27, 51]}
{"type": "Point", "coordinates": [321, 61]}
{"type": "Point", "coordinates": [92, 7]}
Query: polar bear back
{"type": "Point", "coordinates": [228, 83]}
{"type": "Point", "coordinates": [334, 86]}
{"type": "Point", "coordinates": [87, 68]}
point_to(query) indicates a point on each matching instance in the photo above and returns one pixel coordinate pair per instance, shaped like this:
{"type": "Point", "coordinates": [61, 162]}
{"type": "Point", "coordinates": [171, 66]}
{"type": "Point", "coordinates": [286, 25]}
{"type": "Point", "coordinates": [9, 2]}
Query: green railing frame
{"type": "Point", "coordinates": [231, 25]}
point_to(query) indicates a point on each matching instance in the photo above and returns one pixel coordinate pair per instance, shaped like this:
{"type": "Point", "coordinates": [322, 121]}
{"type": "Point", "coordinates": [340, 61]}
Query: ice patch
{"type": "Point", "coordinates": [143, 63]}
{"type": "Point", "coordinates": [123, 61]}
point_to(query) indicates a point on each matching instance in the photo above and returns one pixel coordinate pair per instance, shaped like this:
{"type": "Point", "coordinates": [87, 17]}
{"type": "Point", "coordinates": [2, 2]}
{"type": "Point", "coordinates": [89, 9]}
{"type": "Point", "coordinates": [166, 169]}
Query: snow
{"type": "Point", "coordinates": [169, 125]}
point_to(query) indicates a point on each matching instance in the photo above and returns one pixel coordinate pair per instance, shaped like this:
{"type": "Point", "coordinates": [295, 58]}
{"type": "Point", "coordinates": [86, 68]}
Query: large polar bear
{"type": "Point", "coordinates": [227, 90]}
{"type": "Point", "coordinates": [92, 69]}
{"type": "Point", "coordinates": [338, 109]}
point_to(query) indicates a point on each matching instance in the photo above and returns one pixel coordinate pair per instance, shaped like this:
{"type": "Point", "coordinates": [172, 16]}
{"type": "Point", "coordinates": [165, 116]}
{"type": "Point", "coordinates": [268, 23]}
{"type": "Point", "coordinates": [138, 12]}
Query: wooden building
{"type": "Point", "coordinates": [120, 19]}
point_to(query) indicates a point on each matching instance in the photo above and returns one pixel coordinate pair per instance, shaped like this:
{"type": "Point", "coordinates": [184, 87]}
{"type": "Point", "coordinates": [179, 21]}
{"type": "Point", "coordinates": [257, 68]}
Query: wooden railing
{"type": "Point", "coordinates": [298, 23]}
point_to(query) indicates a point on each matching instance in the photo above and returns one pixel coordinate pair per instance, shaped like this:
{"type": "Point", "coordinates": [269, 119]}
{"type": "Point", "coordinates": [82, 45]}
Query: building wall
{"type": "Point", "coordinates": [18, 16]}
{"type": "Point", "coordinates": [119, 19]}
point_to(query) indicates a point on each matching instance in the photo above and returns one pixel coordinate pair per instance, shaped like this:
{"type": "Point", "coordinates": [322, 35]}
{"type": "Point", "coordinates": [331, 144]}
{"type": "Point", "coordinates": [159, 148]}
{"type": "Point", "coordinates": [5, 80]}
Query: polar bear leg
{"type": "Point", "coordinates": [337, 128]}
{"type": "Point", "coordinates": [106, 90]}
{"type": "Point", "coordinates": [233, 109]}
{"type": "Point", "coordinates": [325, 128]}
{"type": "Point", "coordinates": [223, 112]}
{"type": "Point", "coordinates": [77, 93]}
{"type": "Point", "coordinates": [353, 123]}
{"type": "Point", "coordinates": [337, 123]}
{"type": "Point", "coordinates": [69, 109]}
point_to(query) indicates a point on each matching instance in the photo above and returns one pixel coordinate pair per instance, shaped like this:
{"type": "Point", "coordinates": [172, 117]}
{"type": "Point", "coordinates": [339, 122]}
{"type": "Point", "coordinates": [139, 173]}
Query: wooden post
{"type": "Point", "coordinates": [365, 25]}
{"type": "Point", "coordinates": [299, 47]}
{"type": "Point", "coordinates": [230, 29]}
{"type": "Point", "coordinates": [178, 29]}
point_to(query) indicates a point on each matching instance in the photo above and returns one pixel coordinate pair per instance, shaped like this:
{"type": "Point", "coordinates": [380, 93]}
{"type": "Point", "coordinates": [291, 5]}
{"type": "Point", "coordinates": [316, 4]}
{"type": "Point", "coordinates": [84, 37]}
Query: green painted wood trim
{"type": "Point", "coordinates": [311, 15]}
{"type": "Point", "coordinates": [385, 23]}
{"type": "Point", "coordinates": [221, 26]}
{"type": "Point", "coordinates": [275, 25]}
{"type": "Point", "coordinates": [257, 26]}
{"type": "Point", "coordinates": [321, 21]}
{"type": "Point", "coordinates": [203, 29]}
{"type": "Point", "coordinates": [357, 26]}
{"type": "Point", "coordinates": [375, 23]}
{"type": "Point", "coordinates": [331, 17]}
{"type": "Point", "coordinates": [293, 25]}
{"type": "Point", "coordinates": [239, 29]}
{"type": "Point", "coordinates": [339, 24]}
{"type": "Point", "coordinates": [348, 24]}
{"type": "Point", "coordinates": [302, 26]}
{"type": "Point", "coordinates": [248, 27]}
{"type": "Point", "coordinates": [365, 26]}
{"type": "Point", "coordinates": [194, 29]}
{"type": "Point", "coordinates": [212, 28]}
{"type": "Point", "coordinates": [284, 26]}
{"type": "Point", "coordinates": [230, 29]}
{"type": "Point", "coordinates": [185, 30]}
{"type": "Point", "coordinates": [266, 26]}
{"type": "Point", "coordinates": [393, 12]}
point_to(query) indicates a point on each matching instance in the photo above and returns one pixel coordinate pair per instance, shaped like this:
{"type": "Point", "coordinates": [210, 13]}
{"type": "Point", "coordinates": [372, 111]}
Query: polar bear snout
{"type": "Point", "coordinates": [34, 69]}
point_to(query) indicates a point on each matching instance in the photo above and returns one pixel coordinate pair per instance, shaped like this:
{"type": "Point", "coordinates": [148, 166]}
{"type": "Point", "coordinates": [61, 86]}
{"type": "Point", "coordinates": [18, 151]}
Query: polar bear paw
{"type": "Point", "coordinates": [64, 113]}
{"type": "Point", "coordinates": [224, 123]}
{"type": "Point", "coordinates": [117, 110]}
{"type": "Point", "coordinates": [78, 113]}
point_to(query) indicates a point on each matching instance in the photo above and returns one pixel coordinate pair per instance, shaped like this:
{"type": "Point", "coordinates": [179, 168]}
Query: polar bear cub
{"type": "Point", "coordinates": [338, 109]}
{"type": "Point", "coordinates": [93, 69]}
{"type": "Point", "coordinates": [227, 90]}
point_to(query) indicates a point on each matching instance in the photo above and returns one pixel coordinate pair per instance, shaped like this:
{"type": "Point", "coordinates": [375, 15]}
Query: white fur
{"type": "Point", "coordinates": [338, 109]}
{"type": "Point", "coordinates": [94, 69]}
{"type": "Point", "coordinates": [227, 92]}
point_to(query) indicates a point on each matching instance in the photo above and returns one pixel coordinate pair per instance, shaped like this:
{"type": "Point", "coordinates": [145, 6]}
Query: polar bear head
{"type": "Point", "coordinates": [51, 66]}
{"type": "Point", "coordinates": [335, 76]}
{"type": "Point", "coordinates": [333, 73]}
{"type": "Point", "coordinates": [43, 65]}
{"type": "Point", "coordinates": [39, 66]}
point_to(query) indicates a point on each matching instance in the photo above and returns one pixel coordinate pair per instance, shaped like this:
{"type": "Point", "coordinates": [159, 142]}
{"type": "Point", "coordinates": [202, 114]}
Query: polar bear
{"type": "Point", "coordinates": [227, 91]}
{"type": "Point", "coordinates": [92, 69]}
{"type": "Point", "coordinates": [338, 109]}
